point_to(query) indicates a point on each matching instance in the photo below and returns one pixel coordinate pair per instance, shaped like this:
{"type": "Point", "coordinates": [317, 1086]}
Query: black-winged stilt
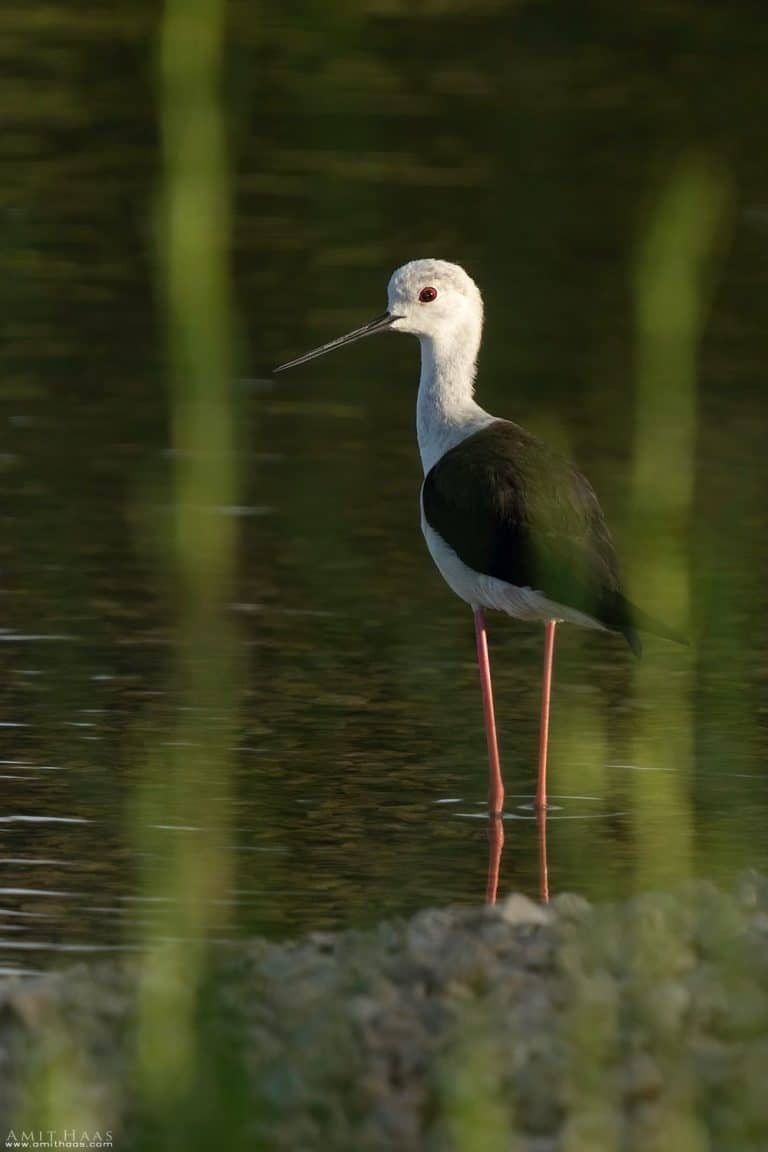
{"type": "Point", "coordinates": [510, 524]}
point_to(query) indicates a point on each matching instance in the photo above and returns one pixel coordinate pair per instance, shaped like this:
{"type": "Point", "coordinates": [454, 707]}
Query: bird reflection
{"type": "Point", "coordinates": [541, 827]}
{"type": "Point", "coordinates": [496, 849]}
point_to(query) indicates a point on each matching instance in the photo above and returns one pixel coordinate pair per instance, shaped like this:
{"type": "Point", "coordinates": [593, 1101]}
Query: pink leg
{"type": "Point", "coordinates": [496, 784]}
{"type": "Point", "coordinates": [546, 685]}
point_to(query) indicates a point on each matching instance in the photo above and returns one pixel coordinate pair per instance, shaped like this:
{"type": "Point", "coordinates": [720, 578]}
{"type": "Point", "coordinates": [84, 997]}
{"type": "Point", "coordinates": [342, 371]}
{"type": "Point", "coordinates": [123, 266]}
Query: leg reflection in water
{"type": "Point", "coordinates": [541, 826]}
{"type": "Point", "coordinates": [496, 848]}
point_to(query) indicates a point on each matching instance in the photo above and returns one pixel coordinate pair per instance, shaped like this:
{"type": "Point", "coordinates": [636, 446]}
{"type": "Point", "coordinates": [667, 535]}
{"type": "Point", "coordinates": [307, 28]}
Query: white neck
{"type": "Point", "coordinates": [446, 412]}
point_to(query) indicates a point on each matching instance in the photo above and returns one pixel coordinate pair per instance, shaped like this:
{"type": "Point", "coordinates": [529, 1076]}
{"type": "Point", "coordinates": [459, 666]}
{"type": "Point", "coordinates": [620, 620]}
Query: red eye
{"type": "Point", "coordinates": [427, 295]}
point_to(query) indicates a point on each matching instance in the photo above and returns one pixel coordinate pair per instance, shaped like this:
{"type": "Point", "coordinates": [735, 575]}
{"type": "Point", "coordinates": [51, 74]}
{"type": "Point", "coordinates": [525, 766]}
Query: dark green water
{"type": "Point", "coordinates": [528, 142]}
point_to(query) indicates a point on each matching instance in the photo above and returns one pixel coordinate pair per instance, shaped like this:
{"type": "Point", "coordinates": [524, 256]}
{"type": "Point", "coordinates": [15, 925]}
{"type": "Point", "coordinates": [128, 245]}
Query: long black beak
{"type": "Point", "coordinates": [377, 325]}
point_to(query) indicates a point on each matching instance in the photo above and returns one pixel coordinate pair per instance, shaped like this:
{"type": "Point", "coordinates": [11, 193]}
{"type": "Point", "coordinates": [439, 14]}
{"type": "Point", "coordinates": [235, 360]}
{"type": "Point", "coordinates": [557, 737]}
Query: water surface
{"type": "Point", "coordinates": [529, 142]}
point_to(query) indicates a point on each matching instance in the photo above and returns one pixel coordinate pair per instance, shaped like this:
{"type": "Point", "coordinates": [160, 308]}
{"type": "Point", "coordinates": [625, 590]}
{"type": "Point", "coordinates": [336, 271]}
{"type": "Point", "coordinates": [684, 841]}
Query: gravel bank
{"type": "Point", "coordinates": [642, 1025]}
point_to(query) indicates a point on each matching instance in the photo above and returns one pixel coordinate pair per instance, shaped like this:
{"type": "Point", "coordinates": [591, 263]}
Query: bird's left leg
{"type": "Point", "coordinates": [495, 784]}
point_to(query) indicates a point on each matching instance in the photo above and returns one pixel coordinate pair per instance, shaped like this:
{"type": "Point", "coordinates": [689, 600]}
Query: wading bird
{"type": "Point", "coordinates": [509, 523]}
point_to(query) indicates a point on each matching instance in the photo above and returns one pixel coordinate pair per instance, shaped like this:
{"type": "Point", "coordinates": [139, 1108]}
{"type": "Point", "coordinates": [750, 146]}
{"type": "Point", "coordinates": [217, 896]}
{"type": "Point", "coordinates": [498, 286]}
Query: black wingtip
{"type": "Point", "coordinates": [629, 620]}
{"type": "Point", "coordinates": [648, 623]}
{"type": "Point", "coordinates": [634, 641]}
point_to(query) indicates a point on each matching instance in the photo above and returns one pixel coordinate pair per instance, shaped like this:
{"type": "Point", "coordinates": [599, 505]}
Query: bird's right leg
{"type": "Point", "coordinates": [495, 782]}
{"type": "Point", "coordinates": [546, 689]}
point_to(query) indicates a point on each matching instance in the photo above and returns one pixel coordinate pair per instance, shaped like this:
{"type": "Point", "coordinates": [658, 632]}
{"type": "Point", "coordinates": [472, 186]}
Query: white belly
{"type": "Point", "coordinates": [480, 591]}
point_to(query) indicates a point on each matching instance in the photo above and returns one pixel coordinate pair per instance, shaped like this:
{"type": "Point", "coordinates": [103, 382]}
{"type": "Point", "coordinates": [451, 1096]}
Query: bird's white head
{"type": "Point", "coordinates": [431, 299]}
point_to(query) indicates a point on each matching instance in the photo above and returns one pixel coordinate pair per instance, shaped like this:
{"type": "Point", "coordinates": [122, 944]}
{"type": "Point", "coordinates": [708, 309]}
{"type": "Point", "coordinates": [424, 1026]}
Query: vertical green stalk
{"type": "Point", "coordinates": [190, 774]}
{"type": "Point", "coordinates": [671, 296]}
{"type": "Point", "coordinates": [671, 280]}
{"type": "Point", "coordinates": [194, 250]}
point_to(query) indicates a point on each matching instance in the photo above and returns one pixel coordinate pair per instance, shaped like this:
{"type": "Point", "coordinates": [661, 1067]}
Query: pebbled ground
{"type": "Point", "coordinates": [642, 1025]}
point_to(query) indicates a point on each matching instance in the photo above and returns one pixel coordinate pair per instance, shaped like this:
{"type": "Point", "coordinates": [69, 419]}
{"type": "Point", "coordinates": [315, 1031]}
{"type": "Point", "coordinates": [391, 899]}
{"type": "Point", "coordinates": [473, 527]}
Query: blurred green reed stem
{"type": "Point", "coordinates": [194, 246]}
{"type": "Point", "coordinates": [671, 292]}
{"type": "Point", "coordinates": [475, 1113]}
{"type": "Point", "coordinates": [185, 1098]}
{"type": "Point", "coordinates": [671, 289]}
{"type": "Point", "coordinates": [62, 1089]}
{"type": "Point", "coordinates": [671, 281]}
{"type": "Point", "coordinates": [191, 778]}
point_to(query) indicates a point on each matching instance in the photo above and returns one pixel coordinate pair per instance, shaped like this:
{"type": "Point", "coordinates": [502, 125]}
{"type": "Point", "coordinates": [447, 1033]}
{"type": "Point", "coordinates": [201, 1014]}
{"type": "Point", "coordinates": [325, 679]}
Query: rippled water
{"type": "Point", "coordinates": [530, 148]}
